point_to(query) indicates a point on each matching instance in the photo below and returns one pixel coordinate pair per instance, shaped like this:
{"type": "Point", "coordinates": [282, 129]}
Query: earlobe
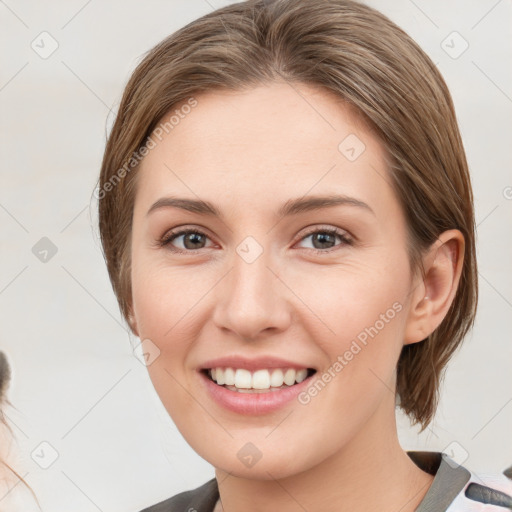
{"type": "Point", "coordinates": [432, 299]}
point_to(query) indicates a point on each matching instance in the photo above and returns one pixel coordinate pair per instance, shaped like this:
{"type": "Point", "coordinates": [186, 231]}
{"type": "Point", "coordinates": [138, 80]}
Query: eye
{"type": "Point", "coordinates": [190, 239]}
{"type": "Point", "coordinates": [324, 239]}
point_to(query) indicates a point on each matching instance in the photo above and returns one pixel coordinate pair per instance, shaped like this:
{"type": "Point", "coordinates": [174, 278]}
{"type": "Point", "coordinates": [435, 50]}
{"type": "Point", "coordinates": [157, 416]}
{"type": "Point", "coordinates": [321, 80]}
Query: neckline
{"type": "Point", "coordinates": [449, 479]}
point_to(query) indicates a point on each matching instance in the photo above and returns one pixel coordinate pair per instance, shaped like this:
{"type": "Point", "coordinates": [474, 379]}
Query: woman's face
{"type": "Point", "coordinates": [270, 279]}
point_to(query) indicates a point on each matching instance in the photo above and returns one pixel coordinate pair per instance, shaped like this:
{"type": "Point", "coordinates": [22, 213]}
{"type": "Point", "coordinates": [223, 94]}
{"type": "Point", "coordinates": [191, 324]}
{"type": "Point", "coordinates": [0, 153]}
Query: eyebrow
{"type": "Point", "coordinates": [291, 207]}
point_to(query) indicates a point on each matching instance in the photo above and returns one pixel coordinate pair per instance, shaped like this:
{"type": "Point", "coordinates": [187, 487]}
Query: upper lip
{"type": "Point", "coordinates": [251, 364]}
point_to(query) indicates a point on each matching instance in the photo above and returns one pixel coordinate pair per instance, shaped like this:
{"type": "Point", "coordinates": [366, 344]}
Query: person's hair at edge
{"type": "Point", "coordinates": [5, 378]}
{"type": "Point", "coordinates": [365, 59]}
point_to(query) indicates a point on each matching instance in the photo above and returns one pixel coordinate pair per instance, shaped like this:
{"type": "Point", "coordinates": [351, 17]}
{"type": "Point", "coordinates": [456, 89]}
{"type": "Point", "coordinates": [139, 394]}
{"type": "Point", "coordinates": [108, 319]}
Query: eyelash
{"type": "Point", "coordinates": [170, 236]}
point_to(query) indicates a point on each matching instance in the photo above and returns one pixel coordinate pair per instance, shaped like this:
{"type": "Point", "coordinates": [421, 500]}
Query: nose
{"type": "Point", "coordinates": [252, 300]}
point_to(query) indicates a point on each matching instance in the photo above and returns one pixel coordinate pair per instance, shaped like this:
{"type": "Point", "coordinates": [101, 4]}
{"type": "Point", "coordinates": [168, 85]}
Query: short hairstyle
{"type": "Point", "coordinates": [371, 64]}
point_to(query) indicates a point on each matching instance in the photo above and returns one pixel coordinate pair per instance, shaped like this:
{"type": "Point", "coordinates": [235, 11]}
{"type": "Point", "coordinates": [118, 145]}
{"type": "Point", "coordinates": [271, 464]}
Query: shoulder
{"type": "Point", "coordinates": [200, 499]}
{"type": "Point", "coordinates": [484, 493]}
{"type": "Point", "coordinates": [457, 489]}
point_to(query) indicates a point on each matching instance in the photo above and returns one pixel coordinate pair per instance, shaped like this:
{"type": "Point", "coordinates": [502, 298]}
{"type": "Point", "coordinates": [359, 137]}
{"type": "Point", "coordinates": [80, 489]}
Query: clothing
{"type": "Point", "coordinates": [454, 489]}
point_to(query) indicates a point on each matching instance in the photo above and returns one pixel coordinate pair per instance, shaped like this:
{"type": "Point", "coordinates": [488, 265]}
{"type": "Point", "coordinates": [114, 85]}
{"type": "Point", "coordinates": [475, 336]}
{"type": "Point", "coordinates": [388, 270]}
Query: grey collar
{"type": "Point", "coordinates": [450, 478]}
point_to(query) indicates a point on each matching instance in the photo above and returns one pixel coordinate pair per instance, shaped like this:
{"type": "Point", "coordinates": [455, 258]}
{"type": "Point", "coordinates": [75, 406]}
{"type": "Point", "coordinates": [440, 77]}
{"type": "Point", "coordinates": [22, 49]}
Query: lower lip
{"type": "Point", "coordinates": [252, 403]}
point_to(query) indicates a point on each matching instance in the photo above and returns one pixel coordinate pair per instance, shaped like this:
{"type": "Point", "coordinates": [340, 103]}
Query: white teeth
{"type": "Point", "coordinates": [229, 377]}
{"type": "Point", "coordinates": [244, 380]}
{"type": "Point", "coordinates": [289, 377]}
{"type": "Point", "coordinates": [277, 378]}
{"type": "Point", "coordinates": [219, 376]}
{"type": "Point", "coordinates": [301, 375]}
{"type": "Point", "coordinates": [261, 379]}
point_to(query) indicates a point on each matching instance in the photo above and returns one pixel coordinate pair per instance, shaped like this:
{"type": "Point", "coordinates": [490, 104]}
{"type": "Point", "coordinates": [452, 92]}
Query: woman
{"type": "Point", "coordinates": [287, 219]}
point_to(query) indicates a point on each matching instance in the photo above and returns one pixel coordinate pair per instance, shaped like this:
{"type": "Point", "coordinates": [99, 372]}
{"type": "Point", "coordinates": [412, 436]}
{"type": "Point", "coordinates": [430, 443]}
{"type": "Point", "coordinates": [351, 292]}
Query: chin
{"type": "Point", "coordinates": [275, 468]}
{"type": "Point", "coordinates": [260, 460]}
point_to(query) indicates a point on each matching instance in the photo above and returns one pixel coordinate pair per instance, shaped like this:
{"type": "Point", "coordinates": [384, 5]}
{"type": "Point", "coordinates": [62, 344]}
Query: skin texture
{"type": "Point", "coordinates": [248, 153]}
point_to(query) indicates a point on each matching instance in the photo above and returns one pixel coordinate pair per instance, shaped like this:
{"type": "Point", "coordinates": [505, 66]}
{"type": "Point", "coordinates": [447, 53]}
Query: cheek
{"type": "Point", "coordinates": [166, 301]}
{"type": "Point", "coordinates": [169, 308]}
{"type": "Point", "coordinates": [355, 301]}
{"type": "Point", "coordinates": [363, 310]}
{"type": "Point", "coordinates": [366, 311]}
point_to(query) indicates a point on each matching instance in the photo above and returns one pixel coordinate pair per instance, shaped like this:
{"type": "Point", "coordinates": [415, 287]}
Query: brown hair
{"type": "Point", "coordinates": [370, 63]}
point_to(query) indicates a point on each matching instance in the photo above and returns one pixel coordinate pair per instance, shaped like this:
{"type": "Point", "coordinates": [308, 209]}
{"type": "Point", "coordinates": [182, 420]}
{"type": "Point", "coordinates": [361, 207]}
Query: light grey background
{"type": "Point", "coordinates": [76, 383]}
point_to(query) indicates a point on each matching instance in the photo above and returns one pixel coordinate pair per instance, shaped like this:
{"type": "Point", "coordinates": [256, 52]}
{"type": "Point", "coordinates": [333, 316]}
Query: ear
{"type": "Point", "coordinates": [433, 293]}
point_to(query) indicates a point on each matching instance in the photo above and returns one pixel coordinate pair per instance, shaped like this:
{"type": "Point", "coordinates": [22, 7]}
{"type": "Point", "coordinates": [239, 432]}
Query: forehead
{"type": "Point", "coordinates": [284, 138]}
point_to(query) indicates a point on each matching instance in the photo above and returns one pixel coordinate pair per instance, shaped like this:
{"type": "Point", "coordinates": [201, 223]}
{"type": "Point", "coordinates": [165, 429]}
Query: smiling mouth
{"type": "Point", "coordinates": [261, 381]}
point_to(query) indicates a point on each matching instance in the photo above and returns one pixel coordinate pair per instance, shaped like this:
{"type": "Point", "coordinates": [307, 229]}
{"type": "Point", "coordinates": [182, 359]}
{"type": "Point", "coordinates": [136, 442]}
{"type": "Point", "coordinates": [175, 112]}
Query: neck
{"type": "Point", "coordinates": [371, 472]}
